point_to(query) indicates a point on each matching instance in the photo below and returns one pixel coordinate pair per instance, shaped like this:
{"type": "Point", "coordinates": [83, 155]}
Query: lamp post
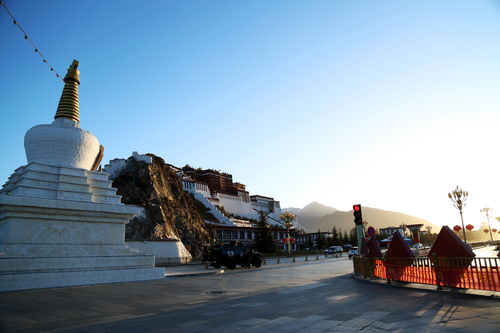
{"type": "Point", "coordinates": [486, 211]}
{"type": "Point", "coordinates": [458, 197]}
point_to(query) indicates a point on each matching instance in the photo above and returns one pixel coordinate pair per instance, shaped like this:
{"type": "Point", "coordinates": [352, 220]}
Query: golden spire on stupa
{"type": "Point", "coordinates": [68, 104]}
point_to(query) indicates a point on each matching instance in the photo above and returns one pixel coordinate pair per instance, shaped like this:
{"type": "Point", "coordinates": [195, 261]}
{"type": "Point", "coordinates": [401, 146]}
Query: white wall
{"type": "Point", "coordinates": [264, 206]}
{"type": "Point", "coordinates": [235, 205]}
{"type": "Point", "coordinates": [203, 189]}
{"type": "Point", "coordinates": [232, 204]}
{"type": "Point", "coordinates": [114, 166]}
{"type": "Point", "coordinates": [191, 188]}
{"type": "Point", "coordinates": [165, 251]}
{"type": "Point", "coordinates": [143, 158]}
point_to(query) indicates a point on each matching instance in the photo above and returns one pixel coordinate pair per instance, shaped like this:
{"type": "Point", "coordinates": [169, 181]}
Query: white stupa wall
{"type": "Point", "coordinates": [61, 143]}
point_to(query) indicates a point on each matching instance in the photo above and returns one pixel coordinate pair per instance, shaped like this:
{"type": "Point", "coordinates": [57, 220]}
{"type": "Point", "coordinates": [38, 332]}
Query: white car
{"type": "Point", "coordinates": [332, 250]}
{"type": "Point", "coordinates": [352, 251]}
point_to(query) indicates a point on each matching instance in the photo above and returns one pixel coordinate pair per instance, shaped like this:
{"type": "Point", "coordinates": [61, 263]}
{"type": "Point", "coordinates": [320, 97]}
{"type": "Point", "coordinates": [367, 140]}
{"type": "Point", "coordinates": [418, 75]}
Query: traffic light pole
{"type": "Point", "coordinates": [358, 221]}
{"type": "Point", "coordinates": [360, 235]}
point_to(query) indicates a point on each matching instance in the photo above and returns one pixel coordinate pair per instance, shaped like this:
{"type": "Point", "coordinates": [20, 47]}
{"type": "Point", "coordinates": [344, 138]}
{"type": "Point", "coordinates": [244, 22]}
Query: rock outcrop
{"type": "Point", "coordinates": [170, 212]}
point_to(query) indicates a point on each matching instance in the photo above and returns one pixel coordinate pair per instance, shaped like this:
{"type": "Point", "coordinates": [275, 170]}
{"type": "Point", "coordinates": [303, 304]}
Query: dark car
{"type": "Point", "coordinates": [232, 255]}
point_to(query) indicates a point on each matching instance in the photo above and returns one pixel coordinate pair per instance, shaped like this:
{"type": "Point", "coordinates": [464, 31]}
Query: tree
{"type": "Point", "coordinates": [353, 239]}
{"type": "Point", "coordinates": [264, 241]}
{"type": "Point", "coordinates": [335, 237]}
{"type": "Point", "coordinates": [309, 243]}
{"type": "Point", "coordinates": [320, 242]}
{"type": "Point", "coordinates": [428, 238]}
{"type": "Point", "coordinates": [345, 239]}
{"type": "Point", "coordinates": [288, 219]}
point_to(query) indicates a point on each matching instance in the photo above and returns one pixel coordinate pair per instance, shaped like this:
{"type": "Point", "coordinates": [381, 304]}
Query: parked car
{"type": "Point", "coordinates": [333, 250]}
{"type": "Point", "coordinates": [352, 252]}
{"type": "Point", "coordinates": [418, 246]}
{"type": "Point", "coordinates": [232, 255]}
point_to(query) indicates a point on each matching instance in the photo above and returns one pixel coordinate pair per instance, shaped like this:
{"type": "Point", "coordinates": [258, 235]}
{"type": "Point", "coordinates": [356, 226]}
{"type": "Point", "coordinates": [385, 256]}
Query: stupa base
{"type": "Point", "coordinates": [56, 233]}
{"type": "Point", "coordinates": [22, 280]}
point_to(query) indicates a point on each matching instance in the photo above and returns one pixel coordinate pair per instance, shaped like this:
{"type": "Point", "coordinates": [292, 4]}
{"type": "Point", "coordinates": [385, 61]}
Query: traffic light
{"type": "Point", "coordinates": [358, 219]}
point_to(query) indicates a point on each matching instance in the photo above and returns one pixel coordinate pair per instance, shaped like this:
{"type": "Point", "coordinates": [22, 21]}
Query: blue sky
{"type": "Point", "coordinates": [390, 104]}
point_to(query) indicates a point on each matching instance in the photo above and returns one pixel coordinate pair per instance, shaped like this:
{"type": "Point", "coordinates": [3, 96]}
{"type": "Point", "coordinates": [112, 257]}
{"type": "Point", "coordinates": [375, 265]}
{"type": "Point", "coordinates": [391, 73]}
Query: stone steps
{"type": "Point", "coordinates": [77, 278]}
{"type": "Point", "coordinates": [8, 265]}
{"type": "Point", "coordinates": [47, 181]}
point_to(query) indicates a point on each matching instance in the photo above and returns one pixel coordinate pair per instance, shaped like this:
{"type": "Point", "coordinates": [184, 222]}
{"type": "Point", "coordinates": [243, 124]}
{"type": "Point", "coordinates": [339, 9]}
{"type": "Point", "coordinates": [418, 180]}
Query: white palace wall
{"type": "Point", "coordinates": [114, 167]}
{"type": "Point", "coordinates": [235, 205]}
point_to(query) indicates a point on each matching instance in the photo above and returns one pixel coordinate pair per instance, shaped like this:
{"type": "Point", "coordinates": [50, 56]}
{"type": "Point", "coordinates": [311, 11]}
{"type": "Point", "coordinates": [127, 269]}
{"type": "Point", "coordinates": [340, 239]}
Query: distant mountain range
{"type": "Point", "coordinates": [316, 216]}
{"type": "Point", "coordinates": [311, 213]}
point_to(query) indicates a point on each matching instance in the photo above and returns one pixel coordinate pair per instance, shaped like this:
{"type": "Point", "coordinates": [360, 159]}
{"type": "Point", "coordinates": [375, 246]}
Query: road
{"type": "Point", "coordinates": [487, 251]}
{"type": "Point", "coordinates": [317, 296]}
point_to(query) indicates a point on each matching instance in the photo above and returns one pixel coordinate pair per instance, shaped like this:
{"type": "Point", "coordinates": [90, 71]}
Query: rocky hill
{"type": "Point", "coordinates": [170, 212]}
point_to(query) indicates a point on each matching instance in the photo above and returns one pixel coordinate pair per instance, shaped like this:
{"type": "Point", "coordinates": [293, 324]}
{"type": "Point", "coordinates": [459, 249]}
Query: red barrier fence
{"type": "Point", "coordinates": [471, 273]}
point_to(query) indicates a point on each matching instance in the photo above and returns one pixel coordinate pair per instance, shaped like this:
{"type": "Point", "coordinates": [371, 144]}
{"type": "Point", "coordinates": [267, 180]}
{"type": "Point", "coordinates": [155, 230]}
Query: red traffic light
{"type": "Point", "coordinates": [356, 210]}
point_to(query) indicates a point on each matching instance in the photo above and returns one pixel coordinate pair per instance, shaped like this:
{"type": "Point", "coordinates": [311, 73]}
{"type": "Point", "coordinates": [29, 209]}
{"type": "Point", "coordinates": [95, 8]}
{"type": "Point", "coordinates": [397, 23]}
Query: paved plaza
{"type": "Point", "coordinates": [315, 296]}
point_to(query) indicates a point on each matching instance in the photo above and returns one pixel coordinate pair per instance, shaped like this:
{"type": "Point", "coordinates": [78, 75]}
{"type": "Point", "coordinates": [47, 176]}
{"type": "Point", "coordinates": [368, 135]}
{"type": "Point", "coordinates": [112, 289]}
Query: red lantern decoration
{"type": "Point", "coordinates": [284, 240]}
{"type": "Point", "coordinates": [457, 228]}
{"type": "Point", "coordinates": [292, 240]}
{"type": "Point", "coordinates": [469, 227]}
{"type": "Point", "coordinates": [486, 231]}
{"type": "Point", "coordinates": [494, 230]}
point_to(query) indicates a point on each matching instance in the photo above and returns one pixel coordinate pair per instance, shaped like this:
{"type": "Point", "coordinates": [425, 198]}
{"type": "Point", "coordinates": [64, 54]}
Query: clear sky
{"type": "Point", "coordinates": [390, 104]}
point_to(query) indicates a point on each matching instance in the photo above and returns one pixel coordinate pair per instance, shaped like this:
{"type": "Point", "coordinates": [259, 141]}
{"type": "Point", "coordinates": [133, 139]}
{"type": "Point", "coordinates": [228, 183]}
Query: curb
{"type": "Point", "coordinates": [203, 271]}
{"type": "Point", "coordinates": [240, 270]}
{"type": "Point", "coordinates": [432, 288]}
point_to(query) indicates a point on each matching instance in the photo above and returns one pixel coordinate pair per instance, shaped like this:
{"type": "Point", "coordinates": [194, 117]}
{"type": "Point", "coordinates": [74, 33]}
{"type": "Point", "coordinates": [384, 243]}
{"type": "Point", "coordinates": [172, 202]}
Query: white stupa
{"type": "Point", "coordinates": [61, 222]}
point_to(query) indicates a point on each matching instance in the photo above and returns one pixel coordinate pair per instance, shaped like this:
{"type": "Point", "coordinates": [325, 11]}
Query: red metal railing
{"type": "Point", "coordinates": [470, 273]}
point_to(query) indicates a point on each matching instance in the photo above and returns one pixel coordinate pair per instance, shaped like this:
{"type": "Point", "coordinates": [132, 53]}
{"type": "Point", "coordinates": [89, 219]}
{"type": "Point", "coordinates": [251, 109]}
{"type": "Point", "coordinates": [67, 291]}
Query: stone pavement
{"type": "Point", "coordinates": [309, 297]}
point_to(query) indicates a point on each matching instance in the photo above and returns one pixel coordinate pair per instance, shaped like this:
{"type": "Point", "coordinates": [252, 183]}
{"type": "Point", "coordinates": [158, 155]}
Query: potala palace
{"type": "Point", "coordinates": [234, 209]}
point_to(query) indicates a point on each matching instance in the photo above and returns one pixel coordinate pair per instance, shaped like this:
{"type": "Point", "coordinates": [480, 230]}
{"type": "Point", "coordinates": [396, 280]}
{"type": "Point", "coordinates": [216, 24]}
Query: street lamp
{"type": "Point", "coordinates": [486, 211]}
{"type": "Point", "coordinates": [458, 197]}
